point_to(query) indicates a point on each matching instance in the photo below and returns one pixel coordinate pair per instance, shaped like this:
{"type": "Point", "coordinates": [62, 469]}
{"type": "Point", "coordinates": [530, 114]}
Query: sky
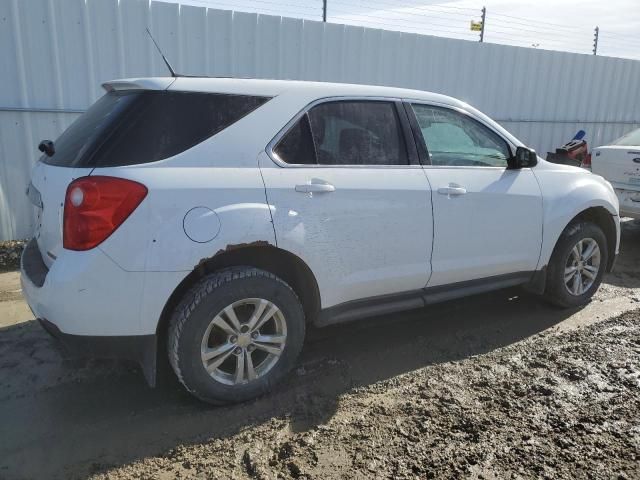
{"type": "Point", "coordinates": [546, 24]}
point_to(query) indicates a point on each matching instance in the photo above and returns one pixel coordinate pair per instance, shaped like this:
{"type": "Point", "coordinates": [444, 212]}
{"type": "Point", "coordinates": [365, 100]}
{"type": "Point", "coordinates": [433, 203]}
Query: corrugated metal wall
{"type": "Point", "coordinates": [54, 55]}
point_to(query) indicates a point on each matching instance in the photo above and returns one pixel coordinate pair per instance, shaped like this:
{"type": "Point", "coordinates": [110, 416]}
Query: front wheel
{"type": "Point", "coordinates": [577, 265]}
{"type": "Point", "coordinates": [235, 334]}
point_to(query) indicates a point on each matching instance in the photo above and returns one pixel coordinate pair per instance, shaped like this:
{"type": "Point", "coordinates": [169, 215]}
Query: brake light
{"type": "Point", "coordinates": [95, 207]}
{"type": "Point", "coordinates": [586, 162]}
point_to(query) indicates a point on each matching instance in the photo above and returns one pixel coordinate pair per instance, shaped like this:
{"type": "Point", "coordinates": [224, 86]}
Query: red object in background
{"type": "Point", "coordinates": [574, 152]}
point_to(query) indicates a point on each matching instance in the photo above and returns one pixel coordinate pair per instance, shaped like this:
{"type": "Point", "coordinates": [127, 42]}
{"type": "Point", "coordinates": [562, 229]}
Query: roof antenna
{"type": "Point", "coordinates": [173, 73]}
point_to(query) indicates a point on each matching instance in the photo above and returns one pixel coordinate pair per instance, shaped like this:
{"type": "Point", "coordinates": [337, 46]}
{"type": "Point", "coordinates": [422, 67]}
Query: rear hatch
{"type": "Point", "coordinates": [620, 164]}
{"type": "Point", "coordinates": [47, 192]}
{"type": "Point", "coordinates": [135, 122]}
{"type": "Point", "coordinates": [72, 158]}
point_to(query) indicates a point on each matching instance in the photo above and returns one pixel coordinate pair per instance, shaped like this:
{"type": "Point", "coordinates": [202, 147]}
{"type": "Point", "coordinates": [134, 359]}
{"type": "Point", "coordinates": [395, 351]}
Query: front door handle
{"type": "Point", "coordinates": [315, 187]}
{"type": "Point", "coordinates": [452, 189]}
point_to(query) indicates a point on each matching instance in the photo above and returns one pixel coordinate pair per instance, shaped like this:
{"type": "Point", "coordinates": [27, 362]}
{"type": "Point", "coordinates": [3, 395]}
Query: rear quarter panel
{"type": "Point", "coordinates": [153, 239]}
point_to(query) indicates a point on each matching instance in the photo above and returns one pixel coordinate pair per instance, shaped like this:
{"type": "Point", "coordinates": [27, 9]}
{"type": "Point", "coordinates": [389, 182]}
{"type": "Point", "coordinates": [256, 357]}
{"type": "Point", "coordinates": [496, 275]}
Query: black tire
{"type": "Point", "coordinates": [556, 291]}
{"type": "Point", "coordinates": [202, 303]}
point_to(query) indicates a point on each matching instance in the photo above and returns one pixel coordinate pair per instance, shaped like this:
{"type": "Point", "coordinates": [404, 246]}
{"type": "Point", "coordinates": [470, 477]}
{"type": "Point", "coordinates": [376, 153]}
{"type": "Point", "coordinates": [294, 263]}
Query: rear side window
{"type": "Point", "coordinates": [128, 128]}
{"type": "Point", "coordinates": [346, 133]}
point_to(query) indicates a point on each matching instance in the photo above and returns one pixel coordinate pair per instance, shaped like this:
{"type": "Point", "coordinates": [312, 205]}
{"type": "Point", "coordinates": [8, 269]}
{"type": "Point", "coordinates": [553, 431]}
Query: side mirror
{"type": "Point", "coordinates": [524, 158]}
{"type": "Point", "coordinates": [46, 147]}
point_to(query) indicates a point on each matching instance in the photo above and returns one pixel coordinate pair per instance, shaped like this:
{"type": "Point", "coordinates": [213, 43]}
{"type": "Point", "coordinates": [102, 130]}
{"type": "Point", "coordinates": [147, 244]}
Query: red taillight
{"type": "Point", "coordinates": [94, 207]}
{"type": "Point", "coordinates": [586, 162]}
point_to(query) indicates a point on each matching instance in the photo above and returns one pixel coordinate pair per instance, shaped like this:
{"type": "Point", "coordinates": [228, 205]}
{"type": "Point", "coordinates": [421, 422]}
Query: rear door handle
{"type": "Point", "coordinates": [452, 189]}
{"type": "Point", "coordinates": [314, 187]}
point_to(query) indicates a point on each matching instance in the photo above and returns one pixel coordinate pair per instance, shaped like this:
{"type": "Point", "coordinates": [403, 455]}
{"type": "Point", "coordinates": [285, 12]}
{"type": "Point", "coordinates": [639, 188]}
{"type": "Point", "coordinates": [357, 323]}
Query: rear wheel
{"type": "Point", "coordinates": [577, 265]}
{"type": "Point", "coordinates": [235, 334]}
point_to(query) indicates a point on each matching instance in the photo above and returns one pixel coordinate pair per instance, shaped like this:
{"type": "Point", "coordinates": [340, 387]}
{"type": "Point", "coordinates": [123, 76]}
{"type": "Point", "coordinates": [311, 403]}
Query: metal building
{"type": "Point", "coordinates": [55, 55]}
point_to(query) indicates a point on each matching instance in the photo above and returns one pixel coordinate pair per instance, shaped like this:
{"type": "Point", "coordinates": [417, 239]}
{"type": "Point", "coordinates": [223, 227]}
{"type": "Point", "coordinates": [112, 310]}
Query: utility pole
{"type": "Point", "coordinates": [324, 11]}
{"type": "Point", "coordinates": [484, 16]}
{"type": "Point", "coordinates": [595, 40]}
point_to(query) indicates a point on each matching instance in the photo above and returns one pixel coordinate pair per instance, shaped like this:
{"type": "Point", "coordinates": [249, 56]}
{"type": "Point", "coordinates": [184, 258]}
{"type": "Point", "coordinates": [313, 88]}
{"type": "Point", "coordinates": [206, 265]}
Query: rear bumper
{"type": "Point", "coordinates": [139, 348]}
{"type": "Point", "coordinates": [83, 293]}
{"type": "Point", "coordinates": [90, 305]}
{"type": "Point", "coordinates": [94, 307]}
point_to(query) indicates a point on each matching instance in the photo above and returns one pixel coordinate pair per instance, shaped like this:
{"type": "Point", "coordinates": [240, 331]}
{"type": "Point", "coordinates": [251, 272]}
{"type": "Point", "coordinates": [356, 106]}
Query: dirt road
{"type": "Point", "coordinates": [495, 386]}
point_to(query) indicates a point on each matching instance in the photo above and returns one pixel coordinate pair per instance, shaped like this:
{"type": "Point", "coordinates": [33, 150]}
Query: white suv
{"type": "Point", "coordinates": [212, 220]}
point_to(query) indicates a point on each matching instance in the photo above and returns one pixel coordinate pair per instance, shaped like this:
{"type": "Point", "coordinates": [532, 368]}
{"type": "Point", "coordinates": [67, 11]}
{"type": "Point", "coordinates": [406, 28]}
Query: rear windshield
{"type": "Point", "coordinates": [134, 127]}
{"type": "Point", "coordinates": [631, 139]}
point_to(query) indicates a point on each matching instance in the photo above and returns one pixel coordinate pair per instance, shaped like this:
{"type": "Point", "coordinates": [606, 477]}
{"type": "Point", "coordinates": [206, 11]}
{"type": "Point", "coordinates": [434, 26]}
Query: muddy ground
{"type": "Point", "coordinates": [495, 386]}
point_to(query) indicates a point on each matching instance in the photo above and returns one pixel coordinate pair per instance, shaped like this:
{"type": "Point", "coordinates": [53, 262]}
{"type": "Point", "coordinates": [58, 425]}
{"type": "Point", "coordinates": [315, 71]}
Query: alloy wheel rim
{"type": "Point", "coordinates": [243, 341]}
{"type": "Point", "coordinates": [582, 266]}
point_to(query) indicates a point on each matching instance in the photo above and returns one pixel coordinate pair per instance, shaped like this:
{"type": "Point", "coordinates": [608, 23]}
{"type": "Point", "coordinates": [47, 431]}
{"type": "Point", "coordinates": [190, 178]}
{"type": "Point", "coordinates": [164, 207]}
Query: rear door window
{"type": "Point", "coordinates": [346, 132]}
{"type": "Point", "coordinates": [132, 127]}
{"type": "Point", "coordinates": [358, 133]}
{"type": "Point", "coordinates": [297, 144]}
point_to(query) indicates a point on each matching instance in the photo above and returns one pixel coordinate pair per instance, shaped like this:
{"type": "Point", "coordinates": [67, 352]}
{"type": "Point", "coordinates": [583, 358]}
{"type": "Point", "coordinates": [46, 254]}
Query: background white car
{"type": "Point", "coordinates": [619, 163]}
{"type": "Point", "coordinates": [210, 220]}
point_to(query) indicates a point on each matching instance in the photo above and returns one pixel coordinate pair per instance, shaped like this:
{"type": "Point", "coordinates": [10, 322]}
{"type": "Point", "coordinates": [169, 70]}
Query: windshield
{"type": "Point", "coordinates": [631, 139]}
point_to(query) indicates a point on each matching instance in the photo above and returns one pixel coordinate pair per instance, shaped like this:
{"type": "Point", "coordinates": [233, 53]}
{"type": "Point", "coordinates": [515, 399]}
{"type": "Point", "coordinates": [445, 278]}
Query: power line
{"type": "Point", "coordinates": [405, 10]}
{"type": "Point", "coordinates": [529, 24]}
{"type": "Point", "coordinates": [533, 36]}
{"type": "Point", "coordinates": [439, 5]}
{"type": "Point", "coordinates": [509, 29]}
{"type": "Point", "coordinates": [626, 35]}
{"type": "Point", "coordinates": [417, 30]}
{"type": "Point", "coordinates": [605, 35]}
{"type": "Point", "coordinates": [422, 28]}
{"type": "Point", "coordinates": [537, 41]}
{"type": "Point", "coordinates": [605, 42]}
{"type": "Point", "coordinates": [566, 27]}
{"type": "Point", "coordinates": [236, 7]}
{"type": "Point", "coordinates": [359, 15]}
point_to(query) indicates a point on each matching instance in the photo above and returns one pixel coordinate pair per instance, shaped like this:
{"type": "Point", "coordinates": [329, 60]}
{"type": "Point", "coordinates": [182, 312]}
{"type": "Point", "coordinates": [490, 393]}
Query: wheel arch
{"type": "Point", "coordinates": [602, 217]}
{"type": "Point", "coordinates": [282, 263]}
{"type": "Point", "coordinates": [599, 215]}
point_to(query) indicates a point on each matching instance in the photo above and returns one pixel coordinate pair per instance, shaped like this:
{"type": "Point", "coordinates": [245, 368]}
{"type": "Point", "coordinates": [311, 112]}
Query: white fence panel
{"type": "Point", "coordinates": [54, 54]}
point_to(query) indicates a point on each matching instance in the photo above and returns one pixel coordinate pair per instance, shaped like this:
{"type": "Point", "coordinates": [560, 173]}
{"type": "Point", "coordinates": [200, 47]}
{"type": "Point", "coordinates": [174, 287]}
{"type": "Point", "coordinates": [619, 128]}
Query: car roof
{"type": "Point", "coordinates": [271, 88]}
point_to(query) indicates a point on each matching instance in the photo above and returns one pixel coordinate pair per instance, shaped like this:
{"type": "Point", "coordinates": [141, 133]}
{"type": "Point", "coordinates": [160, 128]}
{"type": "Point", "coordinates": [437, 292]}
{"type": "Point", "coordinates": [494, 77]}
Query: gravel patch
{"type": "Point", "coordinates": [10, 254]}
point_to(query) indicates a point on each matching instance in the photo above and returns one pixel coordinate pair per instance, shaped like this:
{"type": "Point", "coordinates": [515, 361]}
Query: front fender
{"type": "Point", "coordinates": [567, 192]}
